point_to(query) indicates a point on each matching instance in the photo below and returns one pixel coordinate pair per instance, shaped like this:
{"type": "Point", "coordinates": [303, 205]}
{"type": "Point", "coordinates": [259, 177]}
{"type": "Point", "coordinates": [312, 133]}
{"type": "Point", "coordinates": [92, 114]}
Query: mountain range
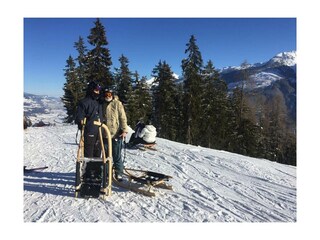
{"type": "Point", "coordinates": [272, 82]}
{"type": "Point", "coordinates": [268, 81]}
{"type": "Point", "coordinates": [267, 84]}
{"type": "Point", "coordinates": [262, 75]}
{"type": "Point", "coordinates": [42, 108]}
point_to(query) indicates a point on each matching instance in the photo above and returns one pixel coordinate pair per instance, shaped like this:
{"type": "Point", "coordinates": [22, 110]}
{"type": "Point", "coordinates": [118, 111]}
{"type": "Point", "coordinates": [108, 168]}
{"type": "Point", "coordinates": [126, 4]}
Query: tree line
{"type": "Point", "coordinates": [200, 110]}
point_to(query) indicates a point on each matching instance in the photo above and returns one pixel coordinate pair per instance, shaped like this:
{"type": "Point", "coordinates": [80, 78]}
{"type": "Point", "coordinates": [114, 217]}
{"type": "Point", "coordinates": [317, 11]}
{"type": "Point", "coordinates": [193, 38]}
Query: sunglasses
{"type": "Point", "coordinates": [108, 94]}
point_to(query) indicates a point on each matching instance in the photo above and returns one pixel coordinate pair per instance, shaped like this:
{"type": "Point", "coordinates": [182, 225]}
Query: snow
{"type": "Point", "coordinates": [265, 77]}
{"type": "Point", "coordinates": [38, 108]}
{"type": "Point", "coordinates": [260, 80]}
{"type": "Point", "coordinates": [209, 185]}
{"type": "Point", "coordinates": [285, 58]}
{"type": "Point", "coordinates": [150, 81]}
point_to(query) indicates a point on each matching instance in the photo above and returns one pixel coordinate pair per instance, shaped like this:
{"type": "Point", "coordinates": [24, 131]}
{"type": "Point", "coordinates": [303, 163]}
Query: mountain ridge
{"type": "Point", "coordinates": [283, 58]}
{"type": "Point", "coordinates": [267, 79]}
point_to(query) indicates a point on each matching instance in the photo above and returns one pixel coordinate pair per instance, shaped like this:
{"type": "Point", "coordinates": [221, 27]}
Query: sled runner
{"type": "Point", "coordinates": [143, 182]}
{"type": "Point", "coordinates": [92, 177]}
{"type": "Point", "coordinates": [145, 147]}
{"type": "Point", "coordinates": [28, 170]}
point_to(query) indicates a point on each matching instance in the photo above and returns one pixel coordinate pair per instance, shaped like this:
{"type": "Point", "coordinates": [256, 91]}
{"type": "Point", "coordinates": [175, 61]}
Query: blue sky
{"type": "Point", "coordinates": [144, 41]}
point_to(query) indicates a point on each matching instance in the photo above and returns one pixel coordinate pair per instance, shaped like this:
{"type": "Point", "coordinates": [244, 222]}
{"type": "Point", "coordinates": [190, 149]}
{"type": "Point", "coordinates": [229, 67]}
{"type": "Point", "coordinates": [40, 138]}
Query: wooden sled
{"type": "Point", "coordinates": [143, 182]}
{"type": "Point", "coordinates": [106, 161]}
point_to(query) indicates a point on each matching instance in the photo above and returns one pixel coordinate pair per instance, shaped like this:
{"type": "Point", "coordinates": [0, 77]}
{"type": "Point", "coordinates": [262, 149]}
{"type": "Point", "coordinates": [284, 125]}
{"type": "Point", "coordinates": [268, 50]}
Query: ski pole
{"type": "Point", "coordinates": [124, 151]}
{"type": "Point", "coordinates": [80, 154]}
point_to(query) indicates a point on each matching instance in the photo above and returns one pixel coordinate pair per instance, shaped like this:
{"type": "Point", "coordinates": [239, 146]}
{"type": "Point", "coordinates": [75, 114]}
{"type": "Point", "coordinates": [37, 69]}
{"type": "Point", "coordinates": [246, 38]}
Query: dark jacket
{"type": "Point", "coordinates": [90, 109]}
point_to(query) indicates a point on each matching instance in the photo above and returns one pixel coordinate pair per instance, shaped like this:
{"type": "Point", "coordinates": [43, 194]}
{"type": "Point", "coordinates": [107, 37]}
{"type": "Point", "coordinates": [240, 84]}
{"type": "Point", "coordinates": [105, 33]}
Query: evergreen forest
{"type": "Point", "coordinates": [200, 110]}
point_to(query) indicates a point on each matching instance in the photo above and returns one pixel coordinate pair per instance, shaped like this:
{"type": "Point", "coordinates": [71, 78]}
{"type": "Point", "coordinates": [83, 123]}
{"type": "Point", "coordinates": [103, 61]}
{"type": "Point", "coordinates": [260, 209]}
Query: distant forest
{"type": "Point", "coordinates": [200, 110]}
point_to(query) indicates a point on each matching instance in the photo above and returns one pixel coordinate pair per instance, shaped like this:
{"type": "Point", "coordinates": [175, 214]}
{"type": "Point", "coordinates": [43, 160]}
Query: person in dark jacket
{"type": "Point", "coordinates": [139, 126]}
{"type": "Point", "coordinates": [91, 109]}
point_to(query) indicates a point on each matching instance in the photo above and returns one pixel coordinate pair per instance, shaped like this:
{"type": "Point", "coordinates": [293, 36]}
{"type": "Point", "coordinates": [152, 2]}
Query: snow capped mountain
{"type": "Point", "coordinates": [284, 58]}
{"type": "Point", "coordinates": [150, 81]}
{"type": "Point", "coordinates": [261, 75]}
{"type": "Point", "coordinates": [176, 76]}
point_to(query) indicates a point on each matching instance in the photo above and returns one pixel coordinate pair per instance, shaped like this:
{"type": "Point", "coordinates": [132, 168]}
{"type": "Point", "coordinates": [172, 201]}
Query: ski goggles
{"type": "Point", "coordinates": [108, 94]}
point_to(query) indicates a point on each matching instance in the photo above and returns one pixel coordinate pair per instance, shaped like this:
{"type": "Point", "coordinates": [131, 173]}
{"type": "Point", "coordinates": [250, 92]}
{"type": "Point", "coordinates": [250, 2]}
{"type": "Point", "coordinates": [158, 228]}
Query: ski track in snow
{"type": "Point", "coordinates": [209, 185]}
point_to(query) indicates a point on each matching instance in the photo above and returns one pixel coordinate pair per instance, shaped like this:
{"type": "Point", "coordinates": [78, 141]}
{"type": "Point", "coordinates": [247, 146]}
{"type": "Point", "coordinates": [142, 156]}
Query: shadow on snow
{"type": "Point", "coordinates": [55, 183]}
{"type": "Point", "coordinates": [50, 182]}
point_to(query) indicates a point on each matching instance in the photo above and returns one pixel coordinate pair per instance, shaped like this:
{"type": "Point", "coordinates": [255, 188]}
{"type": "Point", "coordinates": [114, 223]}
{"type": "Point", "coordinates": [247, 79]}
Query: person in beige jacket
{"type": "Point", "coordinates": [115, 118]}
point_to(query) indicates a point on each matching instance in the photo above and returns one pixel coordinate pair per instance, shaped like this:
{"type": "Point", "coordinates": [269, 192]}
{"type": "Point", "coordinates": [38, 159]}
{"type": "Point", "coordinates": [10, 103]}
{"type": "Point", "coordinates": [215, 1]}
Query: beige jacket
{"type": "Point", "coordinates": [115, 117]}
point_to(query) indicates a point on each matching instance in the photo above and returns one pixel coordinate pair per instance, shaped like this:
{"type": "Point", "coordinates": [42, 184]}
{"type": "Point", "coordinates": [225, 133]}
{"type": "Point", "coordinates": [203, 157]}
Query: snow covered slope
{"type": "Point", "coordinates": [38, 108]}
{"type": "Point", "coordinates": [209, 185]}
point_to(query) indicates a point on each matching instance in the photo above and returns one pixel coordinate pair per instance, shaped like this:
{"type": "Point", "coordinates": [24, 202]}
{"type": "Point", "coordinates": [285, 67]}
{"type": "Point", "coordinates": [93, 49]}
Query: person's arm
{"type": "Point", "coordinates": [142, 133]}
{"type": "Point", "coordinates": [123, 121]}
{"type": "Point", "coordinates": [80, 115]}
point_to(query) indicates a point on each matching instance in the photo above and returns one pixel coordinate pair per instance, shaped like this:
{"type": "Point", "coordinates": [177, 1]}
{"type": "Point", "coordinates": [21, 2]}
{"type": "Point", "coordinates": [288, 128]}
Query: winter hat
{"type": "Point", "coordinates": [93, 89]}
{"type": "Point", "coordinates": [93, 86]}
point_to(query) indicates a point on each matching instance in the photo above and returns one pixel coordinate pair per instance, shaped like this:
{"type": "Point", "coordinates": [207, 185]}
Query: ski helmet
{"type": "Point", "coordinates": [108, 94]}
{"type": "Point", "coordinates": [93, 89]}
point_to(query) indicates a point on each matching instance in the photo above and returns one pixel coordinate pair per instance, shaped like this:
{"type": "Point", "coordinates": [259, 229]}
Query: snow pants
{"type": "Point", "coordinates": [116, 154]}
{"type": "Point", "coordinates": [91, 146]}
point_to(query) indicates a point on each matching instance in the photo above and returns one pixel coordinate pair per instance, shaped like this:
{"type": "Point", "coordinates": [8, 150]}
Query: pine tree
{"type": "Point", "coordinates": [144, 99]}
{"type": "Point", "coordinates": [123, 79]}
{"type": "Point", "coordinates": [275, 129]}
{"type": "Point", "coordinates": [71, 90]}
{"type": "Point", "coordinates": [165, 98]}
{"type": "Point", "coordinates": [82, 67]}
{"type": "Point", "coordinates": [243, 132]}
{"type": "Point", "coordinates": [237, 123]}
{"type": "Point", "coordinates": [214, 105]}
{"type": "Point", "coordinates": [99, 59]}
{"type": "Point", "coordinates": [192, 67]}
{"type": "Point", "coordinates": [133, 115]}
{"type": "Point", "coordinates": [140, 102]}
{"type": "Point", "coordinates": [290, 149]}
{"type": "Point", "coordinates": [181, 136]}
